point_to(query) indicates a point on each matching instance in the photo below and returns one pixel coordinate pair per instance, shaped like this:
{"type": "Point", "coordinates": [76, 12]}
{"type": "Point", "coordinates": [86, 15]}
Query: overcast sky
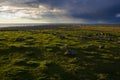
{"type": "Point", "coordinates": [59, 11]}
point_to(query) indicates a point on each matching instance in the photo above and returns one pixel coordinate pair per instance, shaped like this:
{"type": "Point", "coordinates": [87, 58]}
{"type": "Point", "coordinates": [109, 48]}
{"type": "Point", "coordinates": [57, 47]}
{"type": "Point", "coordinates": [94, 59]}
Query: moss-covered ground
{"type": "Point", "coordinates": [63, 54]}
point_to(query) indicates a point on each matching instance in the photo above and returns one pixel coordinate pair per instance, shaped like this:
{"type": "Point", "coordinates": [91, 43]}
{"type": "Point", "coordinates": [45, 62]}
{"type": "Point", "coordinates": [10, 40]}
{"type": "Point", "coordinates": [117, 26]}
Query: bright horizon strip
{"type": "Point", "coordinates": [21, 21]}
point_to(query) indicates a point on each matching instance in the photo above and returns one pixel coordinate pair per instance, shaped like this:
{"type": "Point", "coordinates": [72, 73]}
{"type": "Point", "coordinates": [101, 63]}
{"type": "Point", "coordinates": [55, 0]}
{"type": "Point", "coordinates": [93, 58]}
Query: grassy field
{"type": "Point", "coordinates": [74, 53]}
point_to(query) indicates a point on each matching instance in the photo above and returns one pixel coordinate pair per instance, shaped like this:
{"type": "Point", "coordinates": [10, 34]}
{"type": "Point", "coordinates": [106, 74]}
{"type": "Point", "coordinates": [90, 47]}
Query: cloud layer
{"type": "Point", "coordinates": [62, 11]}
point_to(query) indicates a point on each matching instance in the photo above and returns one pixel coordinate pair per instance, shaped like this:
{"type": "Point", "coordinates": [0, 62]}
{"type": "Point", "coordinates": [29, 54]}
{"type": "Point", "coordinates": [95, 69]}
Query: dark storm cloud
{"type": "Point", "coordinates": [96, 10]}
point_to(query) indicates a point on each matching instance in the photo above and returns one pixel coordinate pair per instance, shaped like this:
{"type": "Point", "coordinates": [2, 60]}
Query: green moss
{"type": "Point", "coordinates": [42, 56]}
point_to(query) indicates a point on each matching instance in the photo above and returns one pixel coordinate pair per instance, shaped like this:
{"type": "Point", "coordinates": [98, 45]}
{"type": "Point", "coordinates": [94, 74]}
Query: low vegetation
{"type": "Point", "coordinates": [75, 53]}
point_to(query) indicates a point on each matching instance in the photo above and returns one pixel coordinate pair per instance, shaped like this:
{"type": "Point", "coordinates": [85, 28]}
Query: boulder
{"type": "Point", "coordinates": [69, 51]}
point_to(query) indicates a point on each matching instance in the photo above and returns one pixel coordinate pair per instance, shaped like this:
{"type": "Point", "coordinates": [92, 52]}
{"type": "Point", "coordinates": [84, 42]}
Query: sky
{"type": "Point", "coordinates": [60, 11]}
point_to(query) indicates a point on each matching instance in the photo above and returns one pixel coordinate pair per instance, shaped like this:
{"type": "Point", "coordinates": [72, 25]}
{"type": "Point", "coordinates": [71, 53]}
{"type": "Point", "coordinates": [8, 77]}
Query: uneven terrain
{"type": "Point", "coordinates": [66, 53]}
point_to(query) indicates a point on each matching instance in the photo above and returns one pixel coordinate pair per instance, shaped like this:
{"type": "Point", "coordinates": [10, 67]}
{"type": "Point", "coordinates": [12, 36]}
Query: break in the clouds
{"type": "Point", "coordinates": [60, 11]}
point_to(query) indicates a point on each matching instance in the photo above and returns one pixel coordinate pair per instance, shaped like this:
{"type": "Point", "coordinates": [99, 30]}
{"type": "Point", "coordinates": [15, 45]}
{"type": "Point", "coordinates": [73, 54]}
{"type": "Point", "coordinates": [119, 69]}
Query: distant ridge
{"type": "Point", "coordinates": [31, 26]}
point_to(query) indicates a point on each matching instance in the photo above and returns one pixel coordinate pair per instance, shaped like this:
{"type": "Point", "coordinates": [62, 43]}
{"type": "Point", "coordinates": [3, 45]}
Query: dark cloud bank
{"type": "Point", "coordinates": [91, 10]}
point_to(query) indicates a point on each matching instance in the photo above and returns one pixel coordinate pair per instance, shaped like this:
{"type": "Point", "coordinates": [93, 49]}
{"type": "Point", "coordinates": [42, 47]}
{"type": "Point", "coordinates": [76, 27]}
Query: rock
{"type": "Point", "coordinates": [19, 39]}
{"type": "Point", "coordinates": [65, 47]}
{"type": "Point", "coordinates": [102, 33]}
{"type": "Point", "coordinates": [69, 51]}
{"type": "Point", "coordinates": [118, 42]}
{"type": "Point", "coordinates": [62, 37]}
{"type": "Point", "coordinates": [102, 46]}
